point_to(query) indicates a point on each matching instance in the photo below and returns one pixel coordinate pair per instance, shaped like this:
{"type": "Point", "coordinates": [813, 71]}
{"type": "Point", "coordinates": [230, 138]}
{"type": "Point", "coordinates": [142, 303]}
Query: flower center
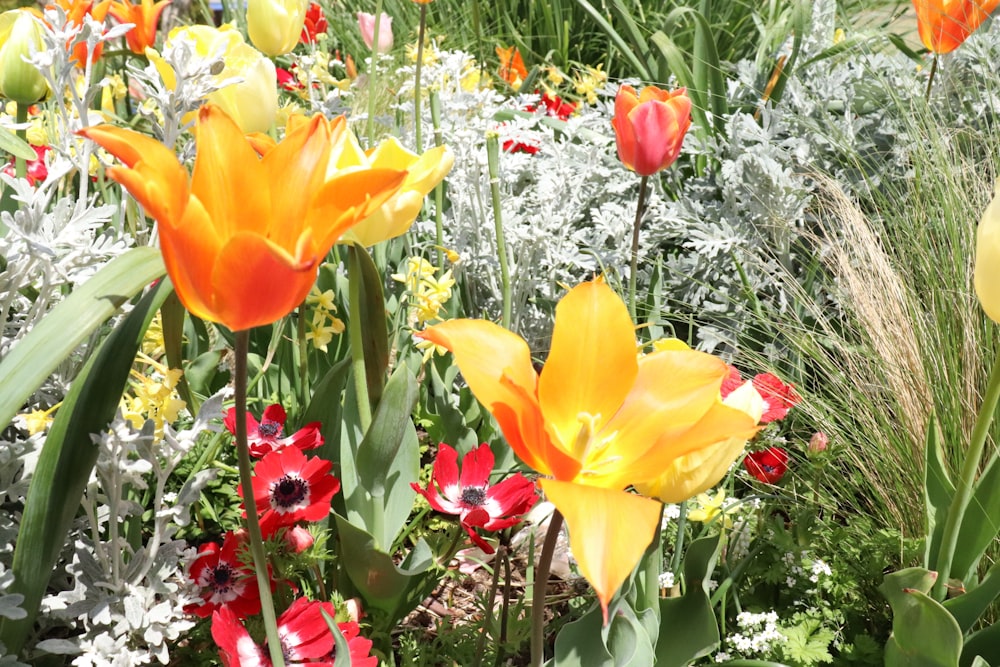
{"type": "Point", "coordinates": [474, 496]}
{"type": "Point", "coordinates": [288, 492]}
{"type": "Point", "coordinates": [269, 429]}
{"type": "Point", "coordinates": [590, 446]}
{"type": "Point", "coordinates": [222, 578]}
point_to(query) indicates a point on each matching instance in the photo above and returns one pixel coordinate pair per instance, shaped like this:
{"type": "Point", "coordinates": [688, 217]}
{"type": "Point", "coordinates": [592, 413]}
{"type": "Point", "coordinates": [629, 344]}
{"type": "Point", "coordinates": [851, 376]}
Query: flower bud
{"type": "Point", "coordinates": [818, 442]}
{"type": "Point", "coordinates": [20, 36]}
{"type": "Point", "coordinates": [274, 26]}
{"type": "Point", "coordinates": [986, 275]}
{"type": "Point", "coordinates": [366, 24]}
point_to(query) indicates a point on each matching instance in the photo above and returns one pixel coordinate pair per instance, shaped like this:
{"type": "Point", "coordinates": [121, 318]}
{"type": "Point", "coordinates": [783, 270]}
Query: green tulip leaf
{"type": "Point", "coordinates": [938, 493]}
{"type": "Point", "coordinates": [924, 634]}
{"type": "Point", "coordinates": [982, 647]}
{"type": "Point", "coordinates": [968, 607]}
{"type": "Point", "coordinates": [979, 524]}
{"type": "Point", "coordinates": [15, 145]}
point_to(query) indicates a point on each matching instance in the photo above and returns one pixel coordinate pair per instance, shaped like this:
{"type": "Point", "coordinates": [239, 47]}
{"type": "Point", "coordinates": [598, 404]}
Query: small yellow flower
{"type": "Point", "coordinates": [587, 83]}
{"type": "Point", "coordinates": [321, 331]}
{"type": "Point", "coordinates": [430, 349]}
{"type": "Point", "coordinates": [323, 300]}
{"type": "Point", "coordinates": [153, 345]}
{"type": "Point", "coordinates": [710, 507]}
{"type": "Point", "coordinates": [153, 396]}
{"type": "Point", "coordinates": [37, 421]}
{"type": "Point", "coordinates": [838, 36]}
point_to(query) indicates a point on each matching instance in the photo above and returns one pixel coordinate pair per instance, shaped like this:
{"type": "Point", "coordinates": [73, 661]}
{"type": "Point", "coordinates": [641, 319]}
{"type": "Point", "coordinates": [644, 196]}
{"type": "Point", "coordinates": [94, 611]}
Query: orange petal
{"type": "Point", "coordinates": [255, 282]}
{"type": "Point", "coordinates": [190, 249]}
{"type": "Point", "coordinates": [605, 544]}
{"type": "Point", "coordinates": [228, 176]}
{"type": "Point", "coordinates": [497, 366]}
{"type": "Point", "coordinates": [592, 364]}
{"type": "Point", "coordinates": [347, 198]}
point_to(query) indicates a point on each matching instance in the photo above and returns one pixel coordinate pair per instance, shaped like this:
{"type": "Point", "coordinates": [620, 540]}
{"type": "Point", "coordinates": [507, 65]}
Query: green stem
{"type": "Point", "coordinates": [675, 563]}
{"type": "Point", "coordinates": [488, 616]}
{"type": "Point", "coordinates": [493, 158]}
{"type": "Point", "coordinates": [417, 115]}
{"type": "Point", "coordinates": [435, 101]}
{"type": "Point", "coordinates": [20, 165]}
{"type": "Point", "coordinates": [373, 76]}
{"type": "Point", "coordinates": [635, 247]}
{"type": "Point", "coordinates": [930, 79]}
{"type": "Point", "coordinates": [356, 338]}
{"type": "Point", "coordinates": [966, 483]}
{"type": "Point", "coordinates": [246, 481]}
{"type": "Point", "coordinates": [538, 594]}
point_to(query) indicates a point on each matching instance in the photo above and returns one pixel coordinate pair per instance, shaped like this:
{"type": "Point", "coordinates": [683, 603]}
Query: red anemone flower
{"type": "Point", "coordinates": [225, 581]}
{"type": "Point", "coordinates": [288, 487]}
{"type": "Point", "coordinates": [305, 637]}
{"type": "Point", "coordinates": [472, 498]}
{"type": "Point", "coordinates": [769, 465]}
{"type": "Point", "coordinates": [266, 437]}
{"type": "Point", "coordinates": [778, 396]}
{"type": "Point", "coordinates": [37, 170]}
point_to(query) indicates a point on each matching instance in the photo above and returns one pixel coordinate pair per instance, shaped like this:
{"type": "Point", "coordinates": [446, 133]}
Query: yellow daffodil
{"type": "Point", "coordinates": [597, 419]}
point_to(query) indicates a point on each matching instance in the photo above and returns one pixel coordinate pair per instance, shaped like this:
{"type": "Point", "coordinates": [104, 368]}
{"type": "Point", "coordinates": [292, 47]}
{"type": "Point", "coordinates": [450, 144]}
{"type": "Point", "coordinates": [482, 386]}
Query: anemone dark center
{"type": "Point", "coordinates": [269, 429]}
{"type": "Point", "coordinates": [222, 577]}
{"type": "Point", "coordinates": [474, 495]}
{"type": "Point", "coordinates": [289, 491]}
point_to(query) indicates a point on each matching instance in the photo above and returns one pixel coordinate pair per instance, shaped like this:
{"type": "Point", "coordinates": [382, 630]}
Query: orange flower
{"type": "Point", "coordinates": [75, 11]}
{"type": "Point", "coordinates": [945, 24]}
{"type": "Point", "coordinates": [596, 419]}
{"type": "Point", "coordinates": [512, 68]}
{"type": "Point", "coordinates": [242, 237]}
{"type": "Point", "coordinates": [145, 16]}
{"type": "Point", "coordinates": [650, 127]}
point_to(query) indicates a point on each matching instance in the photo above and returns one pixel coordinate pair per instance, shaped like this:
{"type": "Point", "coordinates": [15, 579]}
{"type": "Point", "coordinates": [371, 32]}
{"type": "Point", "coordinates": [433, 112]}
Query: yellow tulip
{"type": "Point", "coordinates": [596, 419]}
{"type": "Point", "coordinates": [20, 36]}
{"type": "Point", "coordinates": [276, 25]}
{"type": "Point", "coordinates": [700, 470]}
{"type": "Point", "coordinates": [253, 101]}
{"type": "Point", "coordinates": [986, 275]}
{"type": "Point", "coordinates": [242, 237]}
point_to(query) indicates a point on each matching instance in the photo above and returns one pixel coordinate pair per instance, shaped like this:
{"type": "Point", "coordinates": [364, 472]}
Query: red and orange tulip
{"type": "Point", "coordinates": [75, 11]}
{"type": "Point", "coordinates": [650, 127]}
{"type": "Point", "coordinates": [945, 24]}
{"type": "Point", "coordinates": [512, 69]}
{"type": "Point", "coordinates": [145, 16]}
{"type": "Point", "coordinates": [242, 237]}
{"type": "Point", "coordinates": [596, 419]}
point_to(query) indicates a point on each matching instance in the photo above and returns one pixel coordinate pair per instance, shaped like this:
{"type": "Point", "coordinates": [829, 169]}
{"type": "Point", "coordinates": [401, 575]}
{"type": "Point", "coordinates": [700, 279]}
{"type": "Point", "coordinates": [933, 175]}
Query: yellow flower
{"type": "Point", "coordinates": [275, 25]}
{"type": "Point", "coordinates": [986, 275]}
{"type": "Point", "coordinates": [153, 345]}
{"type": "Point", "coordinates": [597, 419]}
{"type": "Point", "coordinates": [153, 396]}
{"type": "Point", "coordinates": [37, 421]}
{"type": "Point", "coordinates": [253, 101]}
{"type": "Point", "coordinates": [710, 507]}
{"type": "Point", "coordinates": [321, 332]}
{"type": "Point", "coordinates": [322, 300]}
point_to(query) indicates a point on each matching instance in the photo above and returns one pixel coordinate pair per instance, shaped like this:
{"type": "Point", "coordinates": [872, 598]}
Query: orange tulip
{"type": "Point", "coordinates": [75, 11]}
{"type": "Point", "coordinates": [512, 68]}
{"type": "Point", "coordinates": [650, 127]}
{"type": "Point", "coordinates": [596, 419]}
{"type": "Point", "coordinates": [145, 16]}
{"type": "Point", "coordinates": [945, 24]}
{"type": "Point", "coordinates": [242, 237]}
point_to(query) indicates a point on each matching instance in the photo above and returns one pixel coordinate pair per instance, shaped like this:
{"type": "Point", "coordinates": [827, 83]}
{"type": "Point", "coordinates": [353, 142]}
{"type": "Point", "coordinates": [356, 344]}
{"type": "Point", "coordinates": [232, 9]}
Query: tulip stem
{"type": "Point", "coordinates": [493, 159]}
{"type": "Point", "coordinates": [930, 79]}
{"type": "Point", "coordinates": [373, 75]}
{"type": "Point", "coordinates": [20, 164]}
{"type": "Point", "coordinates": [246, 482]}
{"type": "Point", "coordinates": [417, 116]}
{"type": "Point", "coordinates": [538, 594]}
{"type": "Point", "coordinates": [635, 247]}
{"type": "Point", "coordinates": [435, 101]}
{"type": "Point", "coordinates": [966, 483]}
{"type": "Point", "coordinates": [356, 338]}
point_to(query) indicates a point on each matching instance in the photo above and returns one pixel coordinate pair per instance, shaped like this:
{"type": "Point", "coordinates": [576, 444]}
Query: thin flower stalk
{"type": "Point", "coordinates": [435, 102]}
{"type": "Point", "coordinates": [417, 115]}
{"type": "Point", "coordinates": [373, 75]}
{"type": "Point", "coordinates": [633, 269]}
{"type": "Point", "coordinates": [493, 158]}
{"type": "Point", "coordinates": [538, 593]}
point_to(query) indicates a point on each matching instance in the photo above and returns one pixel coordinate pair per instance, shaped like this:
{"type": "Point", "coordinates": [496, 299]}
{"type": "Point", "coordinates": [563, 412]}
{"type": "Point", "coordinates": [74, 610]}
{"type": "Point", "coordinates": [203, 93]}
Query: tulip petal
{"type": "Point", "coordinates": [189, 252]}
{"type": "Point", "coordinates": [348, 197]}
{"type": "Point", "coordinates": [592, 364]}
{"type": "Point", "coordinates": [244, 304]}
{"type": "Point", "coordinates": [606, 547]}
{"type": "Point", "coordinates": [228, 177]}
{"type": "Point", "coordinates": [656, 127]}
{"type": "Point", "coordinates": [496, 364]}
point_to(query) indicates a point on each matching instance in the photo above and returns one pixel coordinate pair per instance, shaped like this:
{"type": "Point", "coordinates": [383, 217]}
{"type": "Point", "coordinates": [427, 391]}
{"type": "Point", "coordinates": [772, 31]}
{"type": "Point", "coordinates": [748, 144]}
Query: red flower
{"type": "Point", "coordinates": [225, 581]}
{"type": "Point", "coordinates": [471, 498]}
{"type": "Point", "coordinates": [768, 466]}
{"type": "Point", "coordinates": [778, 396]}
{"type": "Point", "coordinates": [731, 382]}
{"type": "Point", "coordinates": [315, 24]}
{"type": "Point", "coordinates": [287, 80]}
{"type": "Point", "coordinates": [305, 638]}
{"type": "Point", "coordinates": [265, 437]}
{"type": "Point", "coordinates": [555, 106]}
{"type": "Point", "coordinates": [650, 127]}
{"type": "Point", "coordinates": [510, 146]}
{"type": "Point", "coordinates": [288, 488]}
{"type": "Point", "coordinates": [360, 647]}
{"type": "Point", "coordinates": [37, 169]}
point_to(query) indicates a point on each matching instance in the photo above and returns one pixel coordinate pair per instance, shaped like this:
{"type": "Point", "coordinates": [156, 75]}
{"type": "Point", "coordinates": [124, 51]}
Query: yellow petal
{"type": "Point", "coordinates": [986, 275]}
{"type": "Point", "coordinates": [496, 364]}
{"type": "Point", "coordinates": [592, 364]}
{"type": "Point", "coordinates": [608, 532]}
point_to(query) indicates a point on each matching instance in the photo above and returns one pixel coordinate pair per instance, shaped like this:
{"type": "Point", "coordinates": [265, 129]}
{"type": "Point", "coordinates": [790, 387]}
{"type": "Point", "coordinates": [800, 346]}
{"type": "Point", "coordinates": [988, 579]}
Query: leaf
{"type": "Point", "coordinates": [60, 332]}
{"type": "Point", "coordinates": [15, 145]}
{"type": "Point", "coordinates": [373, 324]}
{"type": "Point", "coordinates": [688, 629]}
{"type": "Point", "coordinates": [342, 650]}
{"type": "Point", "coordinates": [982, 646]}
{"type": "Point", "coordinates": [808, 643]}
{"type": "Point", "coordinates": [624, 642]}
{"type": "Point", "coordinates": [968, 607]}
{"type": "Point", "coordinates": [938, 493]}
{"type": "Point", "coordinates": [980, 525]}
{"type": "Point", "coordinates": [67, 459]}
{"type": "Point", "coordinates": [924, 634]}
